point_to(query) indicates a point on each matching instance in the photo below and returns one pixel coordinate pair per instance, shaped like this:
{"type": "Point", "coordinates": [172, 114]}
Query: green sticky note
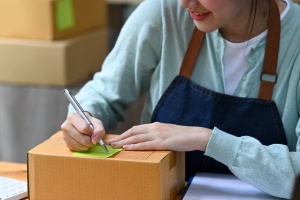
{"type": "Point", "coordinates": [98, 151]}
{"type": "Point", "coordinates": [64, 15]}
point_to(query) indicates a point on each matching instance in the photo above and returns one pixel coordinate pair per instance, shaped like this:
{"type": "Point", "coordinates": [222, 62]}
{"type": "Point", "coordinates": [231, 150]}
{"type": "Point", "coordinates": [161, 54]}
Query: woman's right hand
{"type": "Point", "coordinates": [78, 135]}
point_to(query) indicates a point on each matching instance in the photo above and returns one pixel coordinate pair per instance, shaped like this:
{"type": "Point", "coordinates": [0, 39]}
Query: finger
{"type": "Point", "coordinates": [74, 145]}
{"type": "Point", "coordinates": [98, 131]}
{"type": "Point", "coordinates": [75, 149]}
{"type": "Point", "coordinates": [135, 130]}
{"type": "Point", "coordinates": [148, 145]}
{"type": "Point", "coordinates": [79, 123]}
{"type": "Point", "coordinates": [70, 133]}
{"type": "Point", "coordinates": [134, 139]}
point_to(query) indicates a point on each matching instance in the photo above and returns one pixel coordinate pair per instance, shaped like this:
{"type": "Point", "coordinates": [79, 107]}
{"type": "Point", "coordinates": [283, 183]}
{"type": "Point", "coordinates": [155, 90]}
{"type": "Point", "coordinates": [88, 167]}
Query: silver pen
{"type": "Point", "coordinates": [80, 111]}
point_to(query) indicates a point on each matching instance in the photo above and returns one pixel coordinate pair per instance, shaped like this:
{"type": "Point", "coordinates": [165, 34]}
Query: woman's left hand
{"type": "Point", "coordinates": [161, 136]}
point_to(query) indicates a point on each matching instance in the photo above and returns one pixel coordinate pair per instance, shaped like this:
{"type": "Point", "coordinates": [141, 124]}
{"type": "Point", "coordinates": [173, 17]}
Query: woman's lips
{"type": "Point", "coordinates": [199, 17]}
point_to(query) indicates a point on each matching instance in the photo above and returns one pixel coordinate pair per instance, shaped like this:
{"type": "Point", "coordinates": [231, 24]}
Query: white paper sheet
{"type": "Point", "coordinates": [206, 186]}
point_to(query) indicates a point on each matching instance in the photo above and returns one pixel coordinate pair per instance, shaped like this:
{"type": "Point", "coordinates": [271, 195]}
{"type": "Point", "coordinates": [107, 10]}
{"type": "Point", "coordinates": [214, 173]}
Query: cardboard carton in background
{"type": "Point", "coordinates": [52, 63]}
{"type": "Point", "coordinates": [297, 1]}
{"type": "Point", "coordinates": [50, 19]}
{"type": "Point", "coordinates": [53, 173]}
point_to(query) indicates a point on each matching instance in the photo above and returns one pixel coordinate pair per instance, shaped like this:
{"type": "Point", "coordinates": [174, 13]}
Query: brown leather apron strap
{"type": "Point", "coordinates": [191, 54]}
{"type": "Point", "coordinates": [268, 76]}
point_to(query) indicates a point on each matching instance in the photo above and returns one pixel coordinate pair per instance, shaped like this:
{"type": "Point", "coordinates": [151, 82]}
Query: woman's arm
{"type": "Point", "coordinates": [127, 70]}
{"type": "Point", "coordinates": [269, 168]}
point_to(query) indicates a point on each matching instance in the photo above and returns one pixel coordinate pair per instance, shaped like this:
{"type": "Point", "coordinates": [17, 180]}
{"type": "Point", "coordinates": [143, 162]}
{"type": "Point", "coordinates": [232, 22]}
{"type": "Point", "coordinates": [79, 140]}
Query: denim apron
{"type": "Point", "coordinates": [189, 104]}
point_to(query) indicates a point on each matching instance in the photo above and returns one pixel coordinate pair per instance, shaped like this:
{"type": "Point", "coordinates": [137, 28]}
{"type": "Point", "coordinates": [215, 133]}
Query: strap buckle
{"type": "Point", "coordinates": [268, 77]}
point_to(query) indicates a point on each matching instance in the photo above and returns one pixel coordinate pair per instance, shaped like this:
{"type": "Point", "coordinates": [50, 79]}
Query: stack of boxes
{"type": "Point", "coordinates": [52, 42]}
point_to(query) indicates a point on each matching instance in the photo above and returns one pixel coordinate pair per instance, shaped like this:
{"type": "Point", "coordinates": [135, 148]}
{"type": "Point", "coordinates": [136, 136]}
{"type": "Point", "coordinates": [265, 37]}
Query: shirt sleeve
{"type": "Point", "coordinates": [127, 70]}
{"type": "Point", "coordinates": [271, 169]}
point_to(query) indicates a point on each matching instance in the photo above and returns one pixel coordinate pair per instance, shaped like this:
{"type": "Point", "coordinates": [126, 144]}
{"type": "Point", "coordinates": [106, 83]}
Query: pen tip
{"type": "Point", "coordinates": [106, 149]}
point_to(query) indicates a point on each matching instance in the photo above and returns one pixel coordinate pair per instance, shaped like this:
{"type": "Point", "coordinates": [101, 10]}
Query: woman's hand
{"type": "Point", "coordinates": [161, 136]}
{"type": "Point", "coordinates": [78, 135]}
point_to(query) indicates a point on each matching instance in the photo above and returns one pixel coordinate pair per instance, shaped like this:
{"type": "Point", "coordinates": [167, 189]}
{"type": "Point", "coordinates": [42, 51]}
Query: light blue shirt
{"type": "Point", "coordinates": [148, 55]}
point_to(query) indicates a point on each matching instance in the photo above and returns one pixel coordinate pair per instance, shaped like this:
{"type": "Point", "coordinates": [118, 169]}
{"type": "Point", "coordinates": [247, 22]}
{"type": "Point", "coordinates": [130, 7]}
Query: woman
{"type": "Point", "coordinates": [226, 92]}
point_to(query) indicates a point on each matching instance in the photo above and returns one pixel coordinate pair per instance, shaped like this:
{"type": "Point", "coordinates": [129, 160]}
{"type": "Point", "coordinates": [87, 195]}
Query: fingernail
{"type": "Point", "coordinates": [112, 140]}
{"type": "Point", "coordinates": [127, 147]}
{"type": "Point", "coordinates": [115, 144]}
{"type": "Point", "coordinates": [95, 139]}
{"type": "Point", "coordinates": [115, 139]}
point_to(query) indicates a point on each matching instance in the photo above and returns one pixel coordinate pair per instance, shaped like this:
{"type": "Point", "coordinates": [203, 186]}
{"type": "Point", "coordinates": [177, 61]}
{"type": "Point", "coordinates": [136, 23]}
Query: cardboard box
{"type": "Point", "coordinates": [50, 19]}
{"type": "Point", "coordinates": [53, 173]}
{"type": "Point", "coordinates": [52, 63]}
{"type": "Point", "coordinates": [297, 1]}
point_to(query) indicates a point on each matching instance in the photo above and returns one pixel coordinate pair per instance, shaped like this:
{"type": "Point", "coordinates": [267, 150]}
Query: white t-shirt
{"type": "Point", "coordinates": [234, 61]}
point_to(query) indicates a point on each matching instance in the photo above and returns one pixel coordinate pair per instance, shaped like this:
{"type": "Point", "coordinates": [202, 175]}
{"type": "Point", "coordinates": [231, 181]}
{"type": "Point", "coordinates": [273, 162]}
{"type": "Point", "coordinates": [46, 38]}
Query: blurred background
{"type": "Point", "coordinates": [46, 46]}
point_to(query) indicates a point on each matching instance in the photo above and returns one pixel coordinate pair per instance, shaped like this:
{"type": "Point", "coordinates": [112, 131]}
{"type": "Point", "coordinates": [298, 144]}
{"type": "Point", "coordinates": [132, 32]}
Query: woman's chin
{"type": "Point", "coordinates": [205, 28]}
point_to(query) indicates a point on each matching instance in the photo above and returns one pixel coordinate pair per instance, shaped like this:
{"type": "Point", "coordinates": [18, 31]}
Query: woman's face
{"type": "Point", "coordinates": [227, 15]}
